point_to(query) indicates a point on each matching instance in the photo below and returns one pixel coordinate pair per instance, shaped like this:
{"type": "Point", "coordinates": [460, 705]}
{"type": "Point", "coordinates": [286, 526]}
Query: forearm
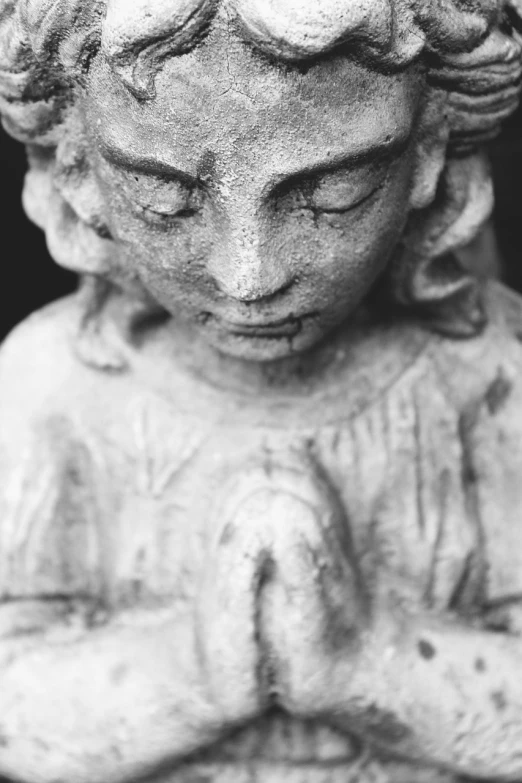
{"type": "Point", "coordinates": [102, 704]}
{"type": "Point", "coordinates": [444, 694]}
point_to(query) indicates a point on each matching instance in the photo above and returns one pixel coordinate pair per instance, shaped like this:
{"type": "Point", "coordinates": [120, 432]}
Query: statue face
{"type": "Point", "coordinates": [256, 201]}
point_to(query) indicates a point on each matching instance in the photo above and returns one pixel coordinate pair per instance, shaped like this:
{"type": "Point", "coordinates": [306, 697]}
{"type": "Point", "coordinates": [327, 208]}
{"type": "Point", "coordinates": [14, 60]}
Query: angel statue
{"type": "Point", "coordinates": [261, 476]}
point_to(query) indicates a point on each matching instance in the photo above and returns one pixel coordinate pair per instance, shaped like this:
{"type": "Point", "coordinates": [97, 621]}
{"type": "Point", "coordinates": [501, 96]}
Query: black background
{"type": "Point", "coordinates": [30, 278]}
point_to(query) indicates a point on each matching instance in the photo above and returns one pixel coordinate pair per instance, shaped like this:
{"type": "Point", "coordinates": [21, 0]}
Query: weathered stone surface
{"type": "Point", "coordinates": [260, 478]}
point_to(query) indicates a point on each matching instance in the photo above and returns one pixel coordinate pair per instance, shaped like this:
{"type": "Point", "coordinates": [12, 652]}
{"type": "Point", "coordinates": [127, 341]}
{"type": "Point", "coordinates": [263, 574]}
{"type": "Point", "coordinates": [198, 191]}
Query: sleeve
{"type": "Point", "coordinates": [48, 514]}
{"type": "Point", "coordinates": [491, 432]}
{"type": "Point", "coordinates": [48, 521]}
{"type": "Point", "coordinates": [483, 380]}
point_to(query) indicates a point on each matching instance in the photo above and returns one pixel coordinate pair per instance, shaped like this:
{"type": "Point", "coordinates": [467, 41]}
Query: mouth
{"type": "Point", "coordinates": [279, 748]}
{"type": "Point", "coordinates": [266, 330]}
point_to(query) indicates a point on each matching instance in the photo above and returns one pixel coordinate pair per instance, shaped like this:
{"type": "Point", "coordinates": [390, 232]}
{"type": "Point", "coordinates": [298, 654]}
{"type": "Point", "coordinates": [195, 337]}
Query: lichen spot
{"type": "Point", "coordinates": [427, 650]}
{"type": "Point", "coordinates": [384, 726]}
{"type": "Point", "coordinates": [499, 700]}
{"type": "Point", "coordinates": [119, 673]}
{"type": "Point", "coordinates": [227, 535]}
{"type": "Point", "coordinates": [498, 393]}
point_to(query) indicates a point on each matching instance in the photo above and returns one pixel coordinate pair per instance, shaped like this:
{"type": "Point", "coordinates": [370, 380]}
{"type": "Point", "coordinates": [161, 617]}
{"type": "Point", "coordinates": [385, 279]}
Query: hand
{"type": "Point", "coordinates": [282, 590]}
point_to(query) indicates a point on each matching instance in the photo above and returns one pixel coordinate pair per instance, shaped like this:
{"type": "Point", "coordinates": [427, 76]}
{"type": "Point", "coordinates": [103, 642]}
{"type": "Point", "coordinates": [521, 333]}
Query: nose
{"type": "Point", "coordinates": [246, 266]}
{"type": "Point", "coordinates": [281, 581]}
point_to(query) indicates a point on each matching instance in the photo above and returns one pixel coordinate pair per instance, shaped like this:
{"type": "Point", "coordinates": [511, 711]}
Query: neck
{"type": "Point", "coordinates": [363, 344]}
{"type": "Point", "coordinates": [295, 373]}
{"type": "Point", "coordinates": [357, 347]}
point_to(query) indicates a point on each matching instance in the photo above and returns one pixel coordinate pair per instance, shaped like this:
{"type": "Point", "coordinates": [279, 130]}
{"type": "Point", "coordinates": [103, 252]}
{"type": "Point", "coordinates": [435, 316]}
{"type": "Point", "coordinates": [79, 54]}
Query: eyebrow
{"type": "Point", "coordinates": [378, 152]}
{"type": "Point", "coordinates": [144, 165]}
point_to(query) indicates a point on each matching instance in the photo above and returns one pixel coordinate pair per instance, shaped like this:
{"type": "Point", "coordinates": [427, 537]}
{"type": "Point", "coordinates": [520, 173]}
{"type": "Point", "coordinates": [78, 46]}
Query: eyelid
{"type": "Point", "coordinates": [162, 212]}
{"type": "Point", "coordinates": [151, 181]}
{"type": "Point", "coordinates": [188, 205]}
{"type": "Point", "coordinates": [350, 205]}
{"type": "Point", "coordinates": [379, 158]}
{"type": "Point", "coordinates": [337, 192]}
{"type": "Point", "coordinates": [174, 198]}
{"type": "Point", "coordinates": [158, 195]}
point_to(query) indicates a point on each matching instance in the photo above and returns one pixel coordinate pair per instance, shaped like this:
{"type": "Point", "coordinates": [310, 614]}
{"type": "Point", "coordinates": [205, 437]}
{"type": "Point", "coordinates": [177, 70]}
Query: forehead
{"type": "Point", "coordinates": [226, 106]}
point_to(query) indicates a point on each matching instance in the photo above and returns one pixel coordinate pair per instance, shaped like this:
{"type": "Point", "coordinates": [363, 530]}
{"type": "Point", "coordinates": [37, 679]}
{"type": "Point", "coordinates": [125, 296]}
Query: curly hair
{"type": "Point", "coordinates": [471, 49]}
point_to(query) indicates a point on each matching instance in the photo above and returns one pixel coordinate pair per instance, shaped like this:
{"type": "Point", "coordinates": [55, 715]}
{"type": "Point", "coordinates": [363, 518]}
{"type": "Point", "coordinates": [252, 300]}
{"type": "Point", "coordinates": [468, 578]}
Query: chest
{"type": "Point", "coordinates": [158, 481]}
{"type": "Point", "coordinates": [134, 497]}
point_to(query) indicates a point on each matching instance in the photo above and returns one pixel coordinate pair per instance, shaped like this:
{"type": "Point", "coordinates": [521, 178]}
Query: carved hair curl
{"type": "Point", "coordinates": [471, 48]}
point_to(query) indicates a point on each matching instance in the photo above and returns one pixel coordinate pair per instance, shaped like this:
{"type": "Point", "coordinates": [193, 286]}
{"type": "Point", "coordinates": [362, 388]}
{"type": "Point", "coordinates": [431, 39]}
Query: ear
{"type": "Point", "coordinates": [62, 196]}
{"type": "Point", "coordinates": [426, 274]}
{"type": "Point", "coordinates": [431, 151]}
{"type": "Point", "coordinates": [463, 204]}
{"type": "Point", "coordinates": [72, 243]}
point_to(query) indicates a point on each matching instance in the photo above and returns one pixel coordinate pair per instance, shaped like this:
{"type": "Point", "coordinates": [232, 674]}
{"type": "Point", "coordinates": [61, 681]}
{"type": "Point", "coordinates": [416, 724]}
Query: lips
{"type": "Point", "coordinates": [287, 327]}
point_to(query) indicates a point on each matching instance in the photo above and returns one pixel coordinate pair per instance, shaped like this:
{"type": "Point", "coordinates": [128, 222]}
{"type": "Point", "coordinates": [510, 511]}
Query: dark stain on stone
{"type": "Point", "coordinates": [338, 634]}
{"type": "Point", "coordinates": [227, 535]}
{"type": "Point", "coordinates": [468, 421]}
{"type": "Point", "coordinates": [206, 167]}
{"type": "Point", "coordinates": [499, 700]}
{"type": "Point", "coordinates": [498, 393]}
{"type": "Point", "coordinates": [427, 650]}
{"type": "Point", "coordinates": [383, 725]}
{"type": "Point", "coordinates": [116, 753]}
{"type": "Point", "coordinates": [480, 665]}
{"type": "Point", "coordinates": [119, 673]}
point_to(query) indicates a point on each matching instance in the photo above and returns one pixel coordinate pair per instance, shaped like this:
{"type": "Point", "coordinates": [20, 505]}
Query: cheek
{"type": "Point", "coordinates": [169, 255]}
{"type": "Point", "coordinates": [158, 250]}
{"type": "Point", "coordinates": [174, 252]}
{"type": "Point", "coordinates": [336, 254]}
{"type": "Point", "coordinates": [340, 253]}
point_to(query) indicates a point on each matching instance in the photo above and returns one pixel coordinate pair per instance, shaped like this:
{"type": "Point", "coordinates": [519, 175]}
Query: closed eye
{"type": "Point", "coordinates": [335, 192]}
{"type": "Point", "coordinates": [156, 197]}
{"type": "Point", "coordinates": [336, 204]}
{"type": "Point", "coordinates": [170, 211]}
{"type": "Point", "coordinates": [342, 189]}
{"type": "Point", "coordinates": [332, 197]}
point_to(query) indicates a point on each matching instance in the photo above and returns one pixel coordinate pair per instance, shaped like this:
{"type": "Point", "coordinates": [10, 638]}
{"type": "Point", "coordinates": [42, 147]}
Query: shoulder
{"type": "Point", "coordinates": [41, 389]}
{"type": "Point", "coordinates": [47, 501]}
{"type": "Point", "coordinates": [45, 393]}
{"type": "Point", "coordinates": [41, 376]}
{"type": "Point", "coordinates": [36, 360]}
{"type": "Point", "coordinates": [484, 377]}
{"type": "Point", "coordinates": [488, 366]}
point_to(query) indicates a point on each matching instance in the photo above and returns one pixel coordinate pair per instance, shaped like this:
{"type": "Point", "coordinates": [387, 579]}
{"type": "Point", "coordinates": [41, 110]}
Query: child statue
{"type": "Point", "coordinates": [261, 477]}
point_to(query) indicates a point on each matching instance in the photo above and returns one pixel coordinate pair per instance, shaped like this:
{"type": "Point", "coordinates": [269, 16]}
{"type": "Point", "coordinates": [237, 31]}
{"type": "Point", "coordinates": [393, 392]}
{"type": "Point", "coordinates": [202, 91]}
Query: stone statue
{"type": "Point", "coordinates": [261, 477]}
